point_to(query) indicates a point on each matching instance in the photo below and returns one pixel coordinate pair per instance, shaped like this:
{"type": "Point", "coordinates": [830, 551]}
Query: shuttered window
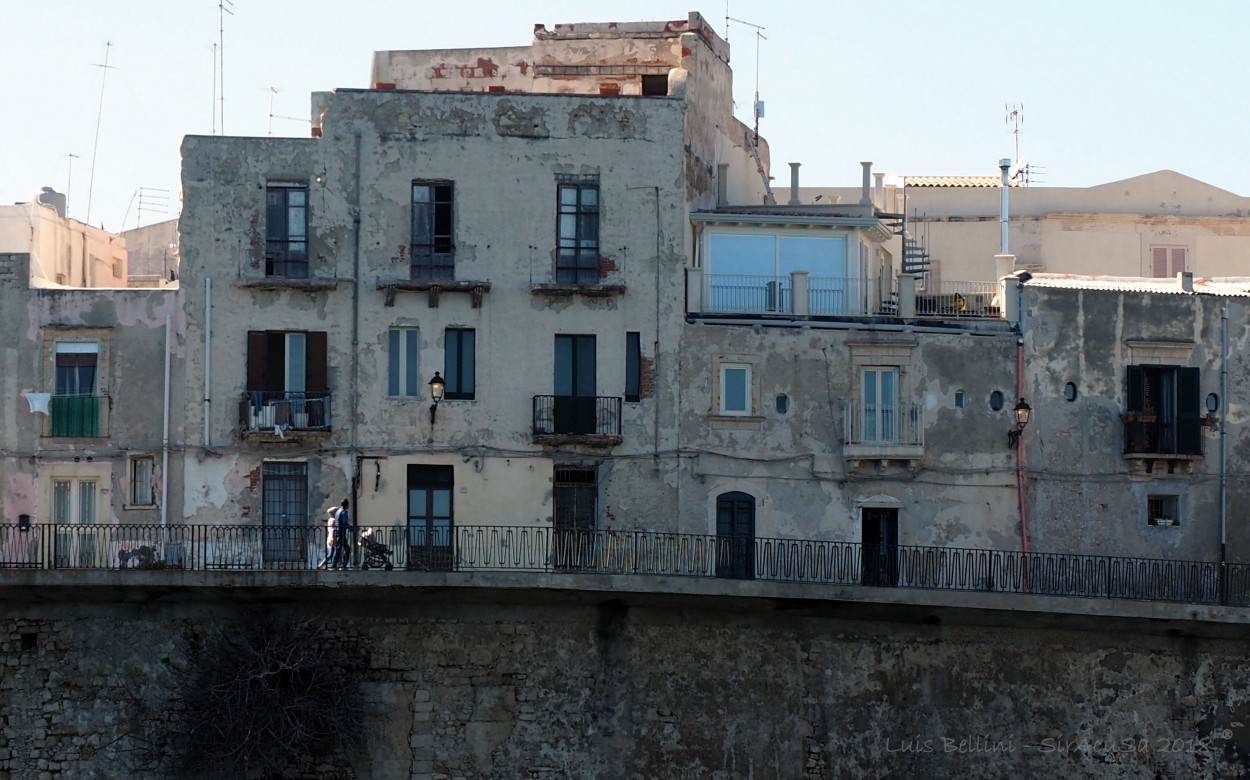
{"type": "Point", "coordinates": [1168, 261]}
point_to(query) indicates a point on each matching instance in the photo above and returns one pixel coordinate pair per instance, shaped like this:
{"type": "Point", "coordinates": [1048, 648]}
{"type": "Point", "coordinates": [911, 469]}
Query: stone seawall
{"type": "Point", "coordinates": [479, 684]}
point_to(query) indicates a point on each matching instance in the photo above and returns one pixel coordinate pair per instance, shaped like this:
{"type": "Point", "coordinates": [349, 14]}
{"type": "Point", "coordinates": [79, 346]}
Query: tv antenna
{"type": "Point", "coordinates": [273, 91]}
{"type": "Point", "coordinates": [223, 7]}
{"type": "Point", "coordinates": [99, 114]}
{"type": "Point", "coordinates": [151, 200]}
{"type": "Point", "coordinates": [69, 180]}
{"type": "Point", "coordinates": [758, 107]}
{"type": "Point", "coordinates": [1015, 118]}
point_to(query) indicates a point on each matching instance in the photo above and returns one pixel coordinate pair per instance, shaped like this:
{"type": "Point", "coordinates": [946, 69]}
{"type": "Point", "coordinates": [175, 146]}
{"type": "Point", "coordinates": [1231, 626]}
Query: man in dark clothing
{"type": "Point", "coordinates": [346, 541]}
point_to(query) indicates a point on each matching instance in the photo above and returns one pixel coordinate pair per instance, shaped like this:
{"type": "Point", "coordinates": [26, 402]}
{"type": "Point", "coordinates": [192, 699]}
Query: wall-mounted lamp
{"type": "Point", "coordinates": [1022, 411]}
{"type": "Point", "coordinates": [437, 386]}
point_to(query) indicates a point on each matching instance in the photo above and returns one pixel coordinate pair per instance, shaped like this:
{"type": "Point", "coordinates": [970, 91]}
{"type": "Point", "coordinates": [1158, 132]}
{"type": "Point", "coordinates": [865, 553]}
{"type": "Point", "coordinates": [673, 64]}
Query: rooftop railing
{"type": "Point", "coordinates": [539, 549]}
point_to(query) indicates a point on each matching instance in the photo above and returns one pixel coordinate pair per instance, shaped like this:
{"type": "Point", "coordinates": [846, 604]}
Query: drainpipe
{"type": "Point", "coordinates": [165, 442]}
{"type": "Point", "coordinates": [1224, 441]}
{"type": "Point", "coordinates": [354, 482]}
{"type": "Point", "coordinates": [1024, 520]}
{"type": "Point", "coordinates": [208, 356]}
{"type": "Point", "coordinates": [1004, 165]}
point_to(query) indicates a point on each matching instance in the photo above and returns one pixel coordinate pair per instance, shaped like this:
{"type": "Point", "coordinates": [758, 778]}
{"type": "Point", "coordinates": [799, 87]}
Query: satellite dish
{"type": "Point", "coordinates": [1018, 168]}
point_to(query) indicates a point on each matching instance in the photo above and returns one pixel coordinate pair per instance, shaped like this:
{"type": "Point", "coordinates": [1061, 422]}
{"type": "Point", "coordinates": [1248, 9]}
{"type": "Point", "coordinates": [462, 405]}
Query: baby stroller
{"type": "Point", "coordinates": [377, 555]}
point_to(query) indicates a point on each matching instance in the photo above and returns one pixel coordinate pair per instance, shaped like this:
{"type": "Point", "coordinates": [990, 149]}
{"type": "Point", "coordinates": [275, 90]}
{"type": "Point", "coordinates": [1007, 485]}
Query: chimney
{"type": "Point", "coordinates": [794, 184]}
{"type": "Point", "coordinates": [879, 200]}
{"type": "Point", "coordinates": [1186, 280]}
{"type": "Point", "coordinates": [722, 184]}
{"type": "Point", "coordinates": [865, 198]}
{"type": "Point", "coordinates": [1004, 165]}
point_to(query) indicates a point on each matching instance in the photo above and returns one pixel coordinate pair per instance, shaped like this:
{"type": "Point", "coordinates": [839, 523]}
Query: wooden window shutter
{"type": "Point", "coordinates": [1159, 261]}
{"type": "Point", "coordinates": [1179, 260]}
{"type": "Point", "coordinates": [257, 359]}
{"type": "Point", "coordinates": [317, 380]}
{"type": "Point", "coordinates": [1136, 388]}
{"type": "Point", "coordinates": [1188, 412]}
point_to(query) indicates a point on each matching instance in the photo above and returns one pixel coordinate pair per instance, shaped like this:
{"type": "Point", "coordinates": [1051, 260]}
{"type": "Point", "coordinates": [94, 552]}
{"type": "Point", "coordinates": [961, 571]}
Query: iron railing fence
{"type": "Point", "coordinates": [958, 299]}
{"type": "Point", "coordinates": [538, 549]}
{"type": "Point", "coordinates": [286, 410]}
{"type": "Point", "coordinates": [585, 415]}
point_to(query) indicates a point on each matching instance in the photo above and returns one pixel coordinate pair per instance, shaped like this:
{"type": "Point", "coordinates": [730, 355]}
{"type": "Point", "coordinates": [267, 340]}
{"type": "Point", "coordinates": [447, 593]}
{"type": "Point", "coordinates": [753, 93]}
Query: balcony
{"type": "Point", "coordinates": [590, 420]}
{"type": "Point", "coordinates": [76, 416]}
{"type": "Point", "coordinates": [1151, 438]}
{"type": "Point", "coordinates": [394, 552]}
{"type": "Point", "coordinates": [282, 416]}
{"type": "Point", "coordinates": [958, 299]}
{"type": "Point", "coordinates": [883, 433]}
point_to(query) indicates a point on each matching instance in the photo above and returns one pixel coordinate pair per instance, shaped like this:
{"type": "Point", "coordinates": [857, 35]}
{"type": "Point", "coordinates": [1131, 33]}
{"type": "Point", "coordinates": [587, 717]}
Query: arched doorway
{"type": "Point", "coordinates": [735, 535]}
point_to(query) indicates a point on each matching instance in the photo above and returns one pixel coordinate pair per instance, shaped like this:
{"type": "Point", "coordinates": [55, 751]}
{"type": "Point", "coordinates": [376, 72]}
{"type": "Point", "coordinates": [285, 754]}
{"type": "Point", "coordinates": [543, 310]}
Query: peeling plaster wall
{"type": "Point", "coordinates": [961, 492]}
{"type": "Point", "coordinates": [1084, 495]}
{"type": "Point", "coordinates": [130, 327]}
{"type": "Point", "coordinates": [502, 152]}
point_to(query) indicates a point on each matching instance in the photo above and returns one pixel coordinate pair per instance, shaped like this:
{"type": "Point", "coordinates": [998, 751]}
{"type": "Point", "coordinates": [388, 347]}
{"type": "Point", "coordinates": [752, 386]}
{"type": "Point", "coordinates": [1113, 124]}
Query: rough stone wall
{"type": "Point", "coordinates": [553, 688]}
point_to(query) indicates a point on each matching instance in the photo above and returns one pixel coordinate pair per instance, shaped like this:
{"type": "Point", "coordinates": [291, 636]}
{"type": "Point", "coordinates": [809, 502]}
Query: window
{"type": "Point", "coordinates": [430, 519]}
{"type": "Point", "coordinates": [1163, 415]}
{"type": "Point", "coordinates": [433, 246]}
{"type": "Point", "coordinates": [577, 253]}
{"type": "Point", "coordinates": [1162, 510]}
{"type": "Point", "coordinates": [574, 406]}
{"type": "Point", "coordinates": [633, 366]}
{"type": "Point", "coordinates": [75, 403]}
{"type": "Point", "coordinates": [287, 382]}
{"type": "Point", "coordinates": [284, 497]}
{"type": "Point", "coordinates": [74, 503]}
{"type": "Point", "coordinates": [750, 273]}
{"type": "Point", "coordinates": [575, 495]}
{"type": "Point", "coordinates": [655, 85]}
{"type": "Point", "coordinates": [879, 387]}
{"type": "Point", "coordinates": [286, 230]}
{"type": "Point", "coordinates": [459, 364]}
{"type": "Point", "coordinates": [142, 470]}
{"type": "Point", "coordinates": [1168, 261]}
{"type": "Point", "coordinates": [735, 389]}
{"type": "Point", "coordinates": [403, 370]}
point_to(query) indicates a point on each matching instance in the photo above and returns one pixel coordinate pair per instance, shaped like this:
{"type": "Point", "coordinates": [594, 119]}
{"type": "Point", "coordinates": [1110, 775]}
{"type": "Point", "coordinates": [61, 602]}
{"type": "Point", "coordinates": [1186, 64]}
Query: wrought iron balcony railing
{"type": "Point", "coordinates": [543, 549]}
{"type": "Point", "coordinates": [263, 410]}
{"type": "Point", "coordinates": [577, 415]}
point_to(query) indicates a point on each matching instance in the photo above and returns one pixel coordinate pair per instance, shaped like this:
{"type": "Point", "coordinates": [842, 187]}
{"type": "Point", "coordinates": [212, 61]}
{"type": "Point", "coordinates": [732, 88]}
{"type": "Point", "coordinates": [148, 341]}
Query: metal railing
{"type": "Point", "coordinates": [747, 294]}
{"type": "Point", "coordinates": [958, 299]}
{"type": "Point", "coordinates": [261, 410]}
{"type": "Point", "coordinates": [584, 415]}
{"type": "Point", "coordinates": [901, 424]}
{"type": "Point", "coordinates": [1148, 433]}
{"type": "Point", "coordinates": [543, 549]}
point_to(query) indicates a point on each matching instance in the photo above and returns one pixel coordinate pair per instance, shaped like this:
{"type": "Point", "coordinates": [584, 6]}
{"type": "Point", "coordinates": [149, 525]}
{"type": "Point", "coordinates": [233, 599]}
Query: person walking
{"type": "Point", "coordinates": [332, 513]}
{"type": "Point", "coordinates": [346, 537]}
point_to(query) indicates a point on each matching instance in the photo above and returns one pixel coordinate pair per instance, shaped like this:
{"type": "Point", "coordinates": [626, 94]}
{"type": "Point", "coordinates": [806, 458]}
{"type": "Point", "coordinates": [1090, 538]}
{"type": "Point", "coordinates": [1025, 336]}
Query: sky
{"type": "Point", "coordinates": [1107, 89]}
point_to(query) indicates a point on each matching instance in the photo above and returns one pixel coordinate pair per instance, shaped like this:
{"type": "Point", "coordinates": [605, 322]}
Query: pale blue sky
{"type": "Point", "coordinates": [1110, 88]}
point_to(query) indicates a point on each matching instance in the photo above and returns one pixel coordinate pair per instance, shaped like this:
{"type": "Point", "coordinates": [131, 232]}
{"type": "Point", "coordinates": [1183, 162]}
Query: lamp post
{"type": "Point", "coordinates": [437, 386]}
{"type": "Point", "coordinates": [1022, 411]}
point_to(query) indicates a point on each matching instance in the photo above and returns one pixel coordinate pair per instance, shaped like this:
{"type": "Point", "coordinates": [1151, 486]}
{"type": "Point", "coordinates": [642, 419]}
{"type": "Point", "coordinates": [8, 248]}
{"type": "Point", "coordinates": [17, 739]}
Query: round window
{"type": "Point", "coordinates": [996, 400]}
{"type": "Point", "coordinates": [1069, 392]}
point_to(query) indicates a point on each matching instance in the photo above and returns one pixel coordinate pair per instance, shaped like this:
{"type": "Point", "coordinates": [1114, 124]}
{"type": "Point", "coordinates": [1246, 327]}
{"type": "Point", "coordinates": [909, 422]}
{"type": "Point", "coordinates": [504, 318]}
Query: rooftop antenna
{"type": "Point", "coordinates": [214, 103]}
{"type": "Point", "coordinates": [758, 107]}
{"type": "Point", "coordinates": [223, 7]}
{"type": "Point", "coordinates": [1015, 118]}
{"type": "Point", "coordinates": [69, 180]}
{"type": "Point", "coordinates": [273, 92]}
{"type": "Point", "coordinates": [99, 114]}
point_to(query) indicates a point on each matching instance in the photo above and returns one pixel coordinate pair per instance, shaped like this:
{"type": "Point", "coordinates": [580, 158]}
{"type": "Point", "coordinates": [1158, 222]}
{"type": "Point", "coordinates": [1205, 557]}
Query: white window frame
{"type": "Point", "coordinates": [134, 465]}
{"type": "Point", "coordinates": [296, 368]}
{"type": "Point", "coordinates": [884, 416]}
{"type": "Point", "coordinates": [405, 382]}
{"type": "Point", "coordinates": [1171, 504]}
{"type": "Point", "coordinates": [73, 513]}
{"type": "Point", "coordinates": [747, 395]}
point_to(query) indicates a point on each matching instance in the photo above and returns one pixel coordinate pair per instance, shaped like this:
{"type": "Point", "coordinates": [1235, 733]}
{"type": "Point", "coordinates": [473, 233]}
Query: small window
{"type": "Point", "coordinates": [403, 370]}
{"type": "Point", "coordinates": [286, 230]}
{"type": "Point", "coordinates": [959, 399]}
{"type": "Point", "coordinates": [433, 240]}
{"type": "Point", "coordinates": [1168, 261]}
{"type": "Point", "coordinates": [1162, 510]}
{"type": "Point", "coordinates": [142, 469]}
{"type": "Point", "coordinates": [577, 229]}
{"type": "Point", "coordinates": [655, 85]}
{"type": "Point", "coordinates": [996, 400]}
{"type": "Point", "coordinates": [1069, 392]}
{"type": "Point", "coordinates": [633, 366]}
{"type": "Point", "coordinates": [735, 388]}
{"type": "Point", "coordinates": [459, 364]}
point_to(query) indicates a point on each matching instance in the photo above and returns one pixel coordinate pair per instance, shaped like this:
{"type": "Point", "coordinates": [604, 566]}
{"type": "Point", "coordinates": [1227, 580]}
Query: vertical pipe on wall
{"type": "Point", "coordinates": [208, 356]}
{"type": "Point", "coordinates": [1024, 520]}
{"type": "Point", "coordinates": [1224, 436]}
{"type": "Point", "coordinates": [1004, 165]}
{"type": "Point", "coordinates": [165, 437]}
{"type": "Point", "coordinates": [353, 483]}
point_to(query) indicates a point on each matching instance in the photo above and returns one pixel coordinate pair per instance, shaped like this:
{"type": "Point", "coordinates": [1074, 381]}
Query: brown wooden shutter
{"type": "Point", "coordinates": [316, 379]}
{"type": "Point", "coordinates": [1179, 259]}
{"type": "Point", "coordinates": [1159, 261]}
{"type": "Point", "coordinates": [257, 359]}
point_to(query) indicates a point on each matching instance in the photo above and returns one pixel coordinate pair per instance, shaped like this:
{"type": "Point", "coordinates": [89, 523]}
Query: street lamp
{"type": "Point", "coordinates": [1022, 411]}
{"type": "Point", "coordinates": [437, 386]}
